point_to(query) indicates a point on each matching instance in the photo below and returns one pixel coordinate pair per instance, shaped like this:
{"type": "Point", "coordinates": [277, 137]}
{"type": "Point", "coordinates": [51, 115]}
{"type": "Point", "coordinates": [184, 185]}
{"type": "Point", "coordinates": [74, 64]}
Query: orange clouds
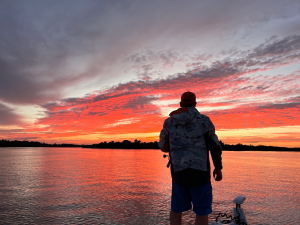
{"type": "Point", "coordinates": [134, 108]}
{"type": "Point", "coordinates": [257, 116]}
{"type": "Point", "coordinates": [231, 92]}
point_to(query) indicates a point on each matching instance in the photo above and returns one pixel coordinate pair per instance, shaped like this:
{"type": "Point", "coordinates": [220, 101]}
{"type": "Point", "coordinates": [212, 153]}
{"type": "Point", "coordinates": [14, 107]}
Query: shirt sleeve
{"type": "Point", "coordinates": [213, 144]}
{"type": "Point", "coordinates": [163, 143]}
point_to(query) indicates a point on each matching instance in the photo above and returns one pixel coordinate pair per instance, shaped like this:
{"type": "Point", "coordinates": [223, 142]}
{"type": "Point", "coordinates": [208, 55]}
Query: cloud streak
{"type": "Point", "coordinates": [9, 117]}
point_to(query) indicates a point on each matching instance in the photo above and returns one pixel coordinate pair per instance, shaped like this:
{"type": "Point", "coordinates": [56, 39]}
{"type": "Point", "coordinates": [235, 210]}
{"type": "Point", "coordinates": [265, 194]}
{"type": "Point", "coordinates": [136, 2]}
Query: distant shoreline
{"type": "Point", "coordinates": [140, 145]}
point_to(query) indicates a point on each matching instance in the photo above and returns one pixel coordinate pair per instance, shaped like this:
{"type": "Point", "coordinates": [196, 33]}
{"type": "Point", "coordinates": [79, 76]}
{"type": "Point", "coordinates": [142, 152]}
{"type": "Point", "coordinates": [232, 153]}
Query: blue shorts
{"type": "Point", "coordinates": [200, 196]}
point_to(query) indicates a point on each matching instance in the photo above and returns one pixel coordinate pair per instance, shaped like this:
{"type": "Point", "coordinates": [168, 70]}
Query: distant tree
{"type": "Point", "coordinates": [137, 141]}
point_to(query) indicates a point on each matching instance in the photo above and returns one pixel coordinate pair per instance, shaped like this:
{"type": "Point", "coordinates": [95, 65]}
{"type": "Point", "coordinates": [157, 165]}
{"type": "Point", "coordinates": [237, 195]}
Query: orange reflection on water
{"type": "Point", "coordinates": [74, 185]}
{"type": "Point", "coordinates": [114, 184]}
{"type": "Point", "coordinates": [267, 179]}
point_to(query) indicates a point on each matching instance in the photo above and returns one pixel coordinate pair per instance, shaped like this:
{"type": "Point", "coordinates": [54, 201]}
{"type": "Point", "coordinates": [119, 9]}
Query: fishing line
{"type": "Point", "coordinates": [236, 219]}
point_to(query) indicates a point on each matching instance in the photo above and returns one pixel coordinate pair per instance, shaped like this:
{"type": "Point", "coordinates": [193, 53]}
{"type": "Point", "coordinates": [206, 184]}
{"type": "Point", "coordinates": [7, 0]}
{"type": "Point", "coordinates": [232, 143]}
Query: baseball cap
{"type": "Point", "coordinates": [188, 98]}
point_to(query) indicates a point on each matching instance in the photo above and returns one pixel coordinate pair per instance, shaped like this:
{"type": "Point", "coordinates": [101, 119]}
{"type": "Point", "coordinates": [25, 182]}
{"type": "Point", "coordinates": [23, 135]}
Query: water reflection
{"type": "Point", "coordinates": [74, 185]}
{"type": "Point", "coordinates": [268, 179]}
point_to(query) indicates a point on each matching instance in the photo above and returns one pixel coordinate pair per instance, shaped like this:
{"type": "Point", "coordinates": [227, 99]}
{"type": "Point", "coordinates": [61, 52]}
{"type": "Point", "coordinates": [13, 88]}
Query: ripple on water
{"type": "Point", "coordinates": [90, 186]}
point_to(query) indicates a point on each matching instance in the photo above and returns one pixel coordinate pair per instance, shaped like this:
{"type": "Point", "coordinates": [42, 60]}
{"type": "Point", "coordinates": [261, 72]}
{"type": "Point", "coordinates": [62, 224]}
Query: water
{"type": "Point", "coordinates": [92, 186]}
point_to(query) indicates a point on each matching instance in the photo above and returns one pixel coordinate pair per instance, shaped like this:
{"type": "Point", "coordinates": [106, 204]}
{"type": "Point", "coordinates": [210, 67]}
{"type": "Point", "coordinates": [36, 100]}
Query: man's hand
{"type": "Point", "coordinates": [217, 175]}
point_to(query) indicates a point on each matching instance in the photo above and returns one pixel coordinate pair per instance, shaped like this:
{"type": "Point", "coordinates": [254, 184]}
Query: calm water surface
{"type": "Point", "coordinates": [92, 186]}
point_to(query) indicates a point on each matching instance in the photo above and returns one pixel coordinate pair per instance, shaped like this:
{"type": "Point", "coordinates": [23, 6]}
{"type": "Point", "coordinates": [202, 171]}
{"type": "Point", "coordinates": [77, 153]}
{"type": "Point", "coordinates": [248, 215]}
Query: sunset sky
{"type": "Point", "coordinates": [91, 71]}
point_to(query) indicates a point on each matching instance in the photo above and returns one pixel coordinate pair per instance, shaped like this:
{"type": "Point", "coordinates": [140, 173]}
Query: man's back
{"type": "Point", "coordinates": [188, 136]}
{"type": "Point", "coordinates": [186, 128]}
{"type": "Point", "coordinates": [191, 135]}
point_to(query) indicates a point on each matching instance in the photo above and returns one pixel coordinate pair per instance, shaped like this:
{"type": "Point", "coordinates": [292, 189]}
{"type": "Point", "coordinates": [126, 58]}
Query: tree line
{"type": "Point", "coordinates": [16, 143]}
{"type": "Point", "coordinates": [137, 144]}
{"type": "Point", "coordinates": [242, 147]}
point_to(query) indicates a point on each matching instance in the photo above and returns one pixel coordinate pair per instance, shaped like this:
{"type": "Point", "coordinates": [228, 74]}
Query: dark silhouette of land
{"type": "Point", "coordinates": [16, 143]}
{"type": "Point", "coordinates": [138, 145]}
{"type": "Point", "coordinates": [241, 147]}
{"type": "Point", "coordinates": [125, 145]}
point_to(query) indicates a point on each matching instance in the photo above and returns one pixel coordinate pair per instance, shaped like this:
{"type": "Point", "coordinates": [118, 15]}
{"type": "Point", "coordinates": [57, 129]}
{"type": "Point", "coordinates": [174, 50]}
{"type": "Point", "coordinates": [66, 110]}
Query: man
{"type": "Point", "coordinates": [188, 136]}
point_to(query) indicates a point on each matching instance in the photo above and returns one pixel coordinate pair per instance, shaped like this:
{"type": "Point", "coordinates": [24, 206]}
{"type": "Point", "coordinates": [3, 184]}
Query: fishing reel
{"type": "Point", "coordinates": [169, 162]}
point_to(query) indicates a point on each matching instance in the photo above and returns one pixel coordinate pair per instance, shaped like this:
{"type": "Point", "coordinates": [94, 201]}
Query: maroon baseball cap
{"type": "Point", "coordinates": [188, 98]}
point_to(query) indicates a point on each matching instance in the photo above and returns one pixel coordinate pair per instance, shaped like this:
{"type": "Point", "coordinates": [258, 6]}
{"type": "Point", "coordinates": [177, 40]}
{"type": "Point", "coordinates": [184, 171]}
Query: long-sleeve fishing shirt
{"type": "Point", "coordinates": [188, 136]}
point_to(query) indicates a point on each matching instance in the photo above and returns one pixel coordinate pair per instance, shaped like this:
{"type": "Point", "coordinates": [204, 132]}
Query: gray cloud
{"type": "Point", "coordinates": [219, 72]}
{"type": "Point", "coordinates": [48, 47]}
{"type": "Point", "coordinates": [9, 117]}
{"type": "Point", "coordinates": [164, 57]}
{"type": "Point", "coordinates": [281, 106]}
{"type": "Point", "coordinates": [294, 99]}
{"type": "Point", "coordinates": [25, 138]}
{"type": "Point", "coordinates": [6, 131]}
{"type": "Point", "coordinates": [287, 45]}
{"type": "Point", "coordinates": [148, 64]}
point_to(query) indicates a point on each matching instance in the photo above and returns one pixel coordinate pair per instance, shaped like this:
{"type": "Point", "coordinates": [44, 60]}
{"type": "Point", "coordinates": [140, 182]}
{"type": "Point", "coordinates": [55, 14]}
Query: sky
{"type": "Point", "coordinates": [74, 71]}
